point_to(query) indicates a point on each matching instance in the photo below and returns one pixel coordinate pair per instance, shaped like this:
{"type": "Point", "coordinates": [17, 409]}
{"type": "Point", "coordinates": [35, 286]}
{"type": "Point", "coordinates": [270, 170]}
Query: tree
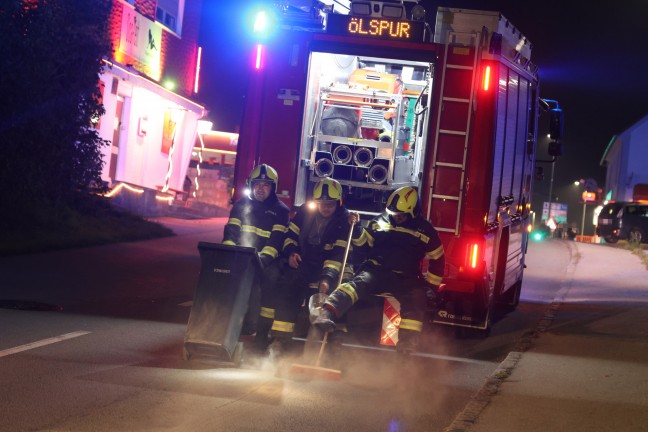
{"type": "Point", "coordinates": [50, 59]}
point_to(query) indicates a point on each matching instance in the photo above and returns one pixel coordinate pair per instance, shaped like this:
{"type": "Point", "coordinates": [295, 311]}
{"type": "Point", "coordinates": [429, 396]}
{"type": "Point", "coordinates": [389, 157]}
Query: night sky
{"type": "Point", "coordinates": [593, 59]}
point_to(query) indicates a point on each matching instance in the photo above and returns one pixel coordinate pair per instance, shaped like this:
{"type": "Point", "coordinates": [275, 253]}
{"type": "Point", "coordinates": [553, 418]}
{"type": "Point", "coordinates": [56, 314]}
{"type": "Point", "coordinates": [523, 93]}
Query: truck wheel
{"type": "Point", "coordinates": [511, 298]}
{"type": "Point", "coordinates": [611, 239]}
{"type": "Point", "coordinates": [488, 322]}
{"type": "Point", "coordinates": [635, 236]}
{"type": "Point", "coordinates": [477, 333]}
{"type": "Point", "coordinates": [472, 333]}
{"type": "Point", "coordinates": [461, 332]}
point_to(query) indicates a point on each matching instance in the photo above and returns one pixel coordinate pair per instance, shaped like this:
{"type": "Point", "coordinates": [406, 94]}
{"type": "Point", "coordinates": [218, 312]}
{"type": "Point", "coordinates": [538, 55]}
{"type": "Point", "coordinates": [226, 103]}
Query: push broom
{"type": "Point", "coordinates": [315, 304]}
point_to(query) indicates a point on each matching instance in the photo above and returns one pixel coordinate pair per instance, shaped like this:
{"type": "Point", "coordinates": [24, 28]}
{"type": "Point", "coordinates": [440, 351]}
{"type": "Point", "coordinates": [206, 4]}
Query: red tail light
{"type": "Point", "coordinates": [473, 256]}
{"type": "Point", "coordinates": [486, 79]}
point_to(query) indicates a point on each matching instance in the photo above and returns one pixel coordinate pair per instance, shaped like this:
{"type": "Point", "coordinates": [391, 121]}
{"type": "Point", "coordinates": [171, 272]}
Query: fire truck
{"type": "Point", "coordinates": [371, 95]}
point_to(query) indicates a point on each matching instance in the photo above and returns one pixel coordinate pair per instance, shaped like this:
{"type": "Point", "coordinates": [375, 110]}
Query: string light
{"type": "Point", "coordinates": [119, 187]}
{"type": "Point", "coordinates": [168, 199]}
{"type": "Point", "coordinates": [200, 160]}
{"type": "Point", "coordinates": [170, 170]}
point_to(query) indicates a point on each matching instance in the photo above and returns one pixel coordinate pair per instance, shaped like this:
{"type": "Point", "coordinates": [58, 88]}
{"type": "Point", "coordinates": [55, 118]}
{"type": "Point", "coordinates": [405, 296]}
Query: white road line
{"type": "Point", "coordinates": [42, 342]}
{"type": "Point", "coordinates": [186, 304]}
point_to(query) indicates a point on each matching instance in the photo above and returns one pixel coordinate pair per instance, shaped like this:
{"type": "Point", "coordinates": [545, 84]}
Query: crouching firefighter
{"type": "Point", "coordinates": [260, 221]}
{"type": "Point", "coordinates": [396, 242]}
{"type": "Point", "coordinates": [315, 245]}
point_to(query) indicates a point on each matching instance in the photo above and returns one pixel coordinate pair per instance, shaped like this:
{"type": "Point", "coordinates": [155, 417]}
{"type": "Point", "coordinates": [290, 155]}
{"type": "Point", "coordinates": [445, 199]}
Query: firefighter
{"type": "Point", "coordinates": [397, 241]}
{"type": "Point", "coordinates": [260, 220]}
{"type": "Point", "coordinates": [314, 246]}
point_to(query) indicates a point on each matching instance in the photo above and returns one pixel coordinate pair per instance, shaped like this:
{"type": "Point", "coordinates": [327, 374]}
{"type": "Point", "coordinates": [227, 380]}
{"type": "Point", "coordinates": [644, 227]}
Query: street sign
{"type": "Point", "coordinates": [590, 185]}
{"type": "Point", "coordinates": [558, 212]}
{"type": "Point", "coordinates": [589, 196]}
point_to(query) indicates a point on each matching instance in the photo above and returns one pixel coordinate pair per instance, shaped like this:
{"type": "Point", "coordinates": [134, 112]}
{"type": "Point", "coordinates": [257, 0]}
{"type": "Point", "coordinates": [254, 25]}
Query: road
{"type": "Point", "coordinates": [91, 339]}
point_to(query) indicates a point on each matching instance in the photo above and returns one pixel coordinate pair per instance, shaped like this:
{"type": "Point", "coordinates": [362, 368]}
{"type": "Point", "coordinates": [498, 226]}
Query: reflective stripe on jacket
{"type": "Point", "coordinates": [401, 248]}
{"type": "Point", "coordinates": [261, 225]}
{"type": "Point", "coordinates": [333, 242]}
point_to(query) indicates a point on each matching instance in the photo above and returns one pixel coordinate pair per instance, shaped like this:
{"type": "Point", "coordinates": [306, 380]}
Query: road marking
{"type": "Point", "coordinates": [186, 304]}
{"type": "Point", "coordinates": [42, 342]}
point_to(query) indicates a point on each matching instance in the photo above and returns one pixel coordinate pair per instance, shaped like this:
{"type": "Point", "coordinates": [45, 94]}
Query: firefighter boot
{"type": "Point", "coordinates": [407, 342]}
{"type": "Point", "coordinates": [262, 338]}
{"type": "Point", "coordinates": [324, 321]}
{"type": "Point", "coordinates": [280, 348]}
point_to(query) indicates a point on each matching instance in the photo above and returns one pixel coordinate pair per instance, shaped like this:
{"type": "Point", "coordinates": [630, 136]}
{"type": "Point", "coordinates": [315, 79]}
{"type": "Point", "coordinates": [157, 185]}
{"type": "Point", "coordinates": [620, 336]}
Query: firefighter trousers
{"type": "Point", "coordinates": [261, 307]}
{"type": "Point", "coordinates": [371, 279]}
{"type": "Point", "coordinates": [292, 290]}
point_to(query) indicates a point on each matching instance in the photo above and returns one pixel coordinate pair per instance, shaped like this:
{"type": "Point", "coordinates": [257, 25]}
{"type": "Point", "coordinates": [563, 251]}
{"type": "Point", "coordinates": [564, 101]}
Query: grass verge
{"type": "Point", "coordinates": [43, 229]}
{"type": "Point", "coordinates": [639, 250]}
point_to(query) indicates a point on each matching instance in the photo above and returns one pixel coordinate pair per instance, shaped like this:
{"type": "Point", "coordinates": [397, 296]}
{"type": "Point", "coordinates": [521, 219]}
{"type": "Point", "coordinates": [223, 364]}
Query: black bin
{"type": "Point", "coordinates": [227, 274]}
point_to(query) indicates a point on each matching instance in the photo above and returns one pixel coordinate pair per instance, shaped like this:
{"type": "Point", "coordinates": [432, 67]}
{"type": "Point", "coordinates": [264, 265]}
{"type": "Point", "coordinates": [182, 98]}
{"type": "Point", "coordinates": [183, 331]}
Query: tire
{"type": "Point", "coordinates": [471, 309]}
{"type": "Point", "coordinates": [500, 270]}
{"type": "Point", "coordinates": [511, 298]}
{"type": "Point", "coordinates": [473, 333]}
{"type": "Point", "coordinates": [635, 236]}
{"type": "Point", "coordinates": [611, 239]}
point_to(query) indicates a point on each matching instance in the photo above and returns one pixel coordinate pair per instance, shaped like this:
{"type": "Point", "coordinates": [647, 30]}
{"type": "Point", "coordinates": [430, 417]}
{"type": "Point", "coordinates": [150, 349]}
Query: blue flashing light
{"type": "Point", "coordinates": [260, 22]}
{"type": "Point", "coordinates": [263, 21]}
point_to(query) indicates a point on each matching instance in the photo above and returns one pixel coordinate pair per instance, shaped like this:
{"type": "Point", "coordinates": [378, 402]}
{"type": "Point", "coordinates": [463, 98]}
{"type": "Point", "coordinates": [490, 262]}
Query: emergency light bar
{"type": "Point", "coordinates": [377, 9]}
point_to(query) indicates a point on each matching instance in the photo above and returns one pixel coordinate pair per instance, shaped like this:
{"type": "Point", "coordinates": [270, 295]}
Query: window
{"type": "Point", "coordinates": [169, 13]}
{"type": "Point", "coordinates": [643, 211]}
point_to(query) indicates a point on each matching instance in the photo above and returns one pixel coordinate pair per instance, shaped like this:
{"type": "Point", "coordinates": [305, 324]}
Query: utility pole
{"type": "Point", "coordinates": [583, 221]}
{"type": "Point", "coordinates": [553, 164]}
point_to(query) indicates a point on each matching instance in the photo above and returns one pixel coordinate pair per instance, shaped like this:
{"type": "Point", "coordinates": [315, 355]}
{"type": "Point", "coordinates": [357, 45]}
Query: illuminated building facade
{"type": "Point", "coordinates": [148, 87]}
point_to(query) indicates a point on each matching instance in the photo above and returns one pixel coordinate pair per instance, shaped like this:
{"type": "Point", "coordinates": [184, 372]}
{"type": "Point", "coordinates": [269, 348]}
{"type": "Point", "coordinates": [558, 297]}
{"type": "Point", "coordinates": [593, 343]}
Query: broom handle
{"type": "Point", "coordinates": [321, 351]}
{"type": "Point", "coordinates": [346, 255]}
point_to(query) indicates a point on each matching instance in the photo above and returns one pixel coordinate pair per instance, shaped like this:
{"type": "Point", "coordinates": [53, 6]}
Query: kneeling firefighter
{"type": "Point", "coordinates": [315, 245]}
{"type": "Point", "coordinates": [397, 241]}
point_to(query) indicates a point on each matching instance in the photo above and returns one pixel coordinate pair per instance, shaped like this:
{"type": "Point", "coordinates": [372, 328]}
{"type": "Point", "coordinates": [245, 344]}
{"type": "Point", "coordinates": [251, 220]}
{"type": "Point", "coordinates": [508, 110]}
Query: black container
{"type": "Point", "coordinates": [227, 274]}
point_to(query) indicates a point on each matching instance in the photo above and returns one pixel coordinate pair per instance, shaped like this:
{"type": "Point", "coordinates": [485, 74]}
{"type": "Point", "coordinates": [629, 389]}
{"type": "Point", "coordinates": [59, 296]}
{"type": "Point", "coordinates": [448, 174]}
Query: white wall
{"type": "Point", "coordinates": [627, 161]}
{"type": "Point", "coordinates": [141, 161]}
{"type": "Point", "coordinates": [637, 171]}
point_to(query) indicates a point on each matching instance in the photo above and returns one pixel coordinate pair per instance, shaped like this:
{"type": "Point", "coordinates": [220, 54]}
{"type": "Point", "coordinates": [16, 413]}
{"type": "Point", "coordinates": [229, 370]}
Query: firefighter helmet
{"type": "Point", "coordinates": [264, 172]}
{"type": "Point", "coordinates": [403, 201]}
{"type": "Point", "coordinates": [328, 189]}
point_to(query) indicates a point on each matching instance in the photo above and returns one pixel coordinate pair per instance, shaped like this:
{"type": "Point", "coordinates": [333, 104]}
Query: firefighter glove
{"type": "Point", "coordinates": [324, 285]}
{"type": "Point", "coordinates": [265, 260]}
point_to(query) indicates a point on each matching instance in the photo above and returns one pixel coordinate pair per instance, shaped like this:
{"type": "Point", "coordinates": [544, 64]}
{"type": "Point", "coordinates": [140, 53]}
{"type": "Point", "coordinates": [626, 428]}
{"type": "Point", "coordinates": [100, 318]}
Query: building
{"type": "Point", "coordinates": [211, 173]}
{"type": "Point", "coordinates": [626, 159]}
{"type": "Point", "coordinates": [148, 89]}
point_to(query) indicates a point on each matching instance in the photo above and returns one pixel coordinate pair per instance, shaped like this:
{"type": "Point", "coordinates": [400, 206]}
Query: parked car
{"type": "Point", "coordinates": [625, 221]}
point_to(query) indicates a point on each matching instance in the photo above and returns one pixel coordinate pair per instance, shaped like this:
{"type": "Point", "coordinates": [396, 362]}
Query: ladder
{"type": "Point", "coordinates": [448, 169]}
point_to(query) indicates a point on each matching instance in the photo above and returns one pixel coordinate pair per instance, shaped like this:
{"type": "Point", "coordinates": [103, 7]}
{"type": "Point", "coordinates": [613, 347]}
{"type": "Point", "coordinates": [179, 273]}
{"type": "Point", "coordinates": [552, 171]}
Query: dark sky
{"type": "Point", "coordinates": [593, 59]}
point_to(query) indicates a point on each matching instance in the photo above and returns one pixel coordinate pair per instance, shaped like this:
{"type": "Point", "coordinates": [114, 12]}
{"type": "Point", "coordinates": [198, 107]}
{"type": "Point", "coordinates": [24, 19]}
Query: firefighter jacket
{"type": "Point", "coordinates": [333, 241]}
{"type": "Point", "coordinates": [258, 224]}
{"type": "Point", "coordinates": [400, 248]}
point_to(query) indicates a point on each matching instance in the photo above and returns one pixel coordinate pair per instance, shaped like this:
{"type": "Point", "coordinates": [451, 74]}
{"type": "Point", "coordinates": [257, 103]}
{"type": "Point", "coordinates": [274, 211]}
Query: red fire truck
{"type": "Point", "coordinates": [377, 100]}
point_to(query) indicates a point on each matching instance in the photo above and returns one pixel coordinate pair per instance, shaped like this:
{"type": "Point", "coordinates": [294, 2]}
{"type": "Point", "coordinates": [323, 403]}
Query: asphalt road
{"type": "Point", "coordinates": [92, 339]}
